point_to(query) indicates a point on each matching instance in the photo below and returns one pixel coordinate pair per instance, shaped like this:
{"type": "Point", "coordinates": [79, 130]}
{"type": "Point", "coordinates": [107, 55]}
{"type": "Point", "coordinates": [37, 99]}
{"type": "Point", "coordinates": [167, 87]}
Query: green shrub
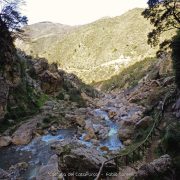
{"type": "Point", "coordinates": [60, 96]}
{"type": "Point", "coordinates": [171, 139]}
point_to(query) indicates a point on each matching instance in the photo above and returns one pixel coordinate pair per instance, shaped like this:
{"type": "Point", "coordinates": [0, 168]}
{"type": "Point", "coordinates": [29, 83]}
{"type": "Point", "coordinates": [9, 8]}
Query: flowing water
{"type": "Point", "coordinates": [112, 142]}
{"type": "Point", "coordinates": [38, 151]}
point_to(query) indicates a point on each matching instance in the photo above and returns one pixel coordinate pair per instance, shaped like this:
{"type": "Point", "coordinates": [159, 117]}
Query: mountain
{"type": "Point", "coordinates": [96, 51]}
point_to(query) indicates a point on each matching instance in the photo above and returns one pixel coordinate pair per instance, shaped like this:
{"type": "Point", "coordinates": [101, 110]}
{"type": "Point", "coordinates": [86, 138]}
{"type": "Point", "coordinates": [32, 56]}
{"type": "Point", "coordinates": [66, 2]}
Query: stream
{"type": "Point", "coordinates": [39, 150]}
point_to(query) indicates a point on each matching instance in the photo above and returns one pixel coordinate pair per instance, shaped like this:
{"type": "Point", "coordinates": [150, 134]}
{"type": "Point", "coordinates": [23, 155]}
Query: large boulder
{"type": "Point", "coordinates": [50, 171]}
{"type": "Point", "coordinates": [24, 133]}
{"type": "Point", "coordinates": [50, 82]}
{"type": "Point", "coordinates": [48, 75]}
{"type": "Point", "coordinates": [74, 157]}
{"type": "Point", "coordinates": [5, 140]}
{"type": "Point", "coordinates": [161, 168]}
{"type": "Point", "coordinates": [83, 159]}
{"type": "Point", "coordinates": [125, 134]}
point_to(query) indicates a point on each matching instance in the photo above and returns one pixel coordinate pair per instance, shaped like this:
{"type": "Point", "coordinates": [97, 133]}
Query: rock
{"type": "Point", "coordinates": [135, 117]}
{"type": "Point", "coordinates": [111, 114]}
{"type": "Point", "coordinates": [81, 111]}
{"type": "Point", "coordinates": [90, 130]}
{"type": "Point", "coordinates": [22, 166]}
{"type": "Point", "coordinates": [127, 123]}
{"type": "Point", "coordinates": [83, 160]}
{"type": "Point", "coordinates": [80, 121]}
{"type": "Point", "coordinates": [39, 66]}
{"type": "Point", "coordinates": [64, 147]}
{"type": "Point", "coordinates": [79, 131]}
{"type": "Point", "coordinates": [67, 97]}
{"type": "Point", "coordinates": [16, 170]}
{"type": "Point", "coordinates": [40, 131]}
{"type": "Point", "coordinates": [50, 82]}
{"type": "Point", "coordinates": [122, 110]}
{"type": "Point", "coordinates": [5, 141]}
{"type": "Point", "coordinates": [127, 142]}
{"type": "Point", "coordinates": [50, 171]}
{"type": "Point", "coordinates": [104, 148]}
{"type": "Point", "coordinates": [176, 108]}
{"type": "Point", "coordinates": [103, 132]}
{"type": "Point", "coordinates": [87, 137]}
{"type": "Point", "coordinates": [53, 67]}
{"type": "Point", "coordinates": [75, 157]}
{"type": "Point", "coordinates": [125, 134]}
{"type": "Point", "coordinates": [97, 127]}
{"type": "Point", "coordinates": [52, 128]}
{"type": "Point", "coordinates": [161, 167]}
{"type": "Point", "coordinates": [95, 142]}
{"type": "Point", "coordinates": [4, 175]}
{"type": "Point", "coordinates": [144, 123]}
{"type": "Point", "coordinates": [24, 133]}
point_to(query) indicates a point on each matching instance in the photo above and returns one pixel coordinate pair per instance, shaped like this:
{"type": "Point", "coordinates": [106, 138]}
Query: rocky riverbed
{"type": "Point", "coordinates": [83, 140]}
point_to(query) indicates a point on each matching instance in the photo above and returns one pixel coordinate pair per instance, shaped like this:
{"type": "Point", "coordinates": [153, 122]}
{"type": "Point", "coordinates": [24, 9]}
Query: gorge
{"type": "Point", "coordinates": [88, 102]}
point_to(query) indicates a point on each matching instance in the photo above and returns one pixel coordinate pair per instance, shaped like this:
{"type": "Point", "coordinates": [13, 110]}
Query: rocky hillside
{"type": "Point", "coordinates": [26, 83]}
{"type": "Point", "coordinates": [94, 51]}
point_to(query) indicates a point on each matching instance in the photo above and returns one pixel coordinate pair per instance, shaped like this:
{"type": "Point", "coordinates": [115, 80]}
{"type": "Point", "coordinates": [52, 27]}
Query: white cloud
{"type": "Point", "coordinates": [74, 12]}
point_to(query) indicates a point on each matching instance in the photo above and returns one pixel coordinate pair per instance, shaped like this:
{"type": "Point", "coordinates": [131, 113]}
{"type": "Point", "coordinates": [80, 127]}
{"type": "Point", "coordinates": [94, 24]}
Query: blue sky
{"type": "Point", "coordinates": [76, 12]}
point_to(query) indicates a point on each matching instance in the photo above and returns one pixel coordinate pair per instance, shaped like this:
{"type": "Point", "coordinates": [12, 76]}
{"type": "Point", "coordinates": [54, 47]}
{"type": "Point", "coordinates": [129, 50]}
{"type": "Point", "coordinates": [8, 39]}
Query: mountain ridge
{"type": "Point", "coordinates": [84, 48]}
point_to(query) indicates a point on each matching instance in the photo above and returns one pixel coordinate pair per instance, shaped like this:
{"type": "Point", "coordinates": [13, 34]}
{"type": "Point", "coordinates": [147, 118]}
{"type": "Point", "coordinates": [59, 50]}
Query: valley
{"type": "Point", "coordinates": [88, 102]}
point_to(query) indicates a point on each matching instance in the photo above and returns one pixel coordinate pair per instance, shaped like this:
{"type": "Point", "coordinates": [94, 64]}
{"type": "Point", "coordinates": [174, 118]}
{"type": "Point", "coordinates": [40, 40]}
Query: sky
{"type": "Point", "coordinates": [76, 12]}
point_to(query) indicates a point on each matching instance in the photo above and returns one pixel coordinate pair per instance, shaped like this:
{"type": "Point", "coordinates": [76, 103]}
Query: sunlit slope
{"type": "Point", "coordinates": [98, 50]}
{"type": "Point", "coordinates": [40, 36]}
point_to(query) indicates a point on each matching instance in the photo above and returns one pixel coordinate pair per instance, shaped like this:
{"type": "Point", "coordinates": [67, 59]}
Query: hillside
{"type": "Point", "coordinates": [95, 51]}
{"type": "Point", "coordinates": [44, 32]}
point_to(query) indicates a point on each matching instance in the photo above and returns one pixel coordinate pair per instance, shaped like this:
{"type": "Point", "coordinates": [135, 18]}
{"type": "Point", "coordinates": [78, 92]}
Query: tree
{"type": "Point", "coordinates": [11, 17]}
{"type": "Point", "coordinates": [164, 15]}
{"type": "Point", "coordinates": [11, 22]}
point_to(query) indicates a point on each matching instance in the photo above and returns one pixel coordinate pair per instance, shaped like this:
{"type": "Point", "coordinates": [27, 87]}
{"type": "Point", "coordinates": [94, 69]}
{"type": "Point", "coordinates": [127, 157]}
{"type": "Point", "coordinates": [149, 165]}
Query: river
{"type": "Point", "coordinates": [38, 151]}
